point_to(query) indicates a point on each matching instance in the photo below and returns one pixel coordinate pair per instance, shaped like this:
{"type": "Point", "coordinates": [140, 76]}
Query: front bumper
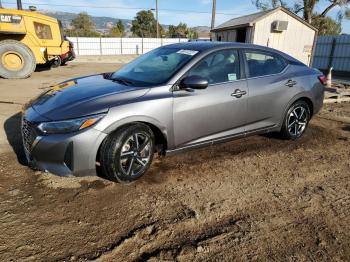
{"type": "Point", "coordinates": [64, 154]}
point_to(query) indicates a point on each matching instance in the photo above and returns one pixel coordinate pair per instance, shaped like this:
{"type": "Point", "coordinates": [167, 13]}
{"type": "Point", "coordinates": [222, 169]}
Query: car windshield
{"type": "Point", "coordinates": [154, 68]}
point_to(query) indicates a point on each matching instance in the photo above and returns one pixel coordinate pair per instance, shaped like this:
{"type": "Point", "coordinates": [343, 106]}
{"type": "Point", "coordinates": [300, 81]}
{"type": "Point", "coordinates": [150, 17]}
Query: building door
{"type": "Point", "coordinates": [241, 35]}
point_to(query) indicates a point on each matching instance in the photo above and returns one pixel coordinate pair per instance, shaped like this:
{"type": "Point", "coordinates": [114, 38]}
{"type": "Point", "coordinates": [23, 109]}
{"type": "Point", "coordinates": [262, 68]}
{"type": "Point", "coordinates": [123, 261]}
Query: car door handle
{"type": "Point", "coordinates": [291, 83]}
{"type": "Point", "coordinates": [238, 93]}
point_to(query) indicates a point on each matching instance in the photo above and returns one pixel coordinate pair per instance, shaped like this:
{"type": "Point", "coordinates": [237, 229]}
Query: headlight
{"type": "Point", "coordinates": [68, 126]}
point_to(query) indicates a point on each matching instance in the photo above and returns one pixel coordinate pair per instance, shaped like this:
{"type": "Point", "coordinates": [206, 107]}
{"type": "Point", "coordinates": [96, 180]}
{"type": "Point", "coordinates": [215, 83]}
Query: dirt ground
{"type": "Point", "coordinates": [255, 199]}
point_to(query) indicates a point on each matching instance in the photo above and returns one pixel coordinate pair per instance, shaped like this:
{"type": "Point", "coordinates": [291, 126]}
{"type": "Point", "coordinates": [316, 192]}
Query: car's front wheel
{"type": "Point", "coordinates": [127, 154]}
{"type": "Point", "coordinates": [296, 120]}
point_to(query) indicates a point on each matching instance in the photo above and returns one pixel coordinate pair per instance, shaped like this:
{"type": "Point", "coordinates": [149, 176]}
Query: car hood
{"type": "Point", "coordinates": [83, 96]}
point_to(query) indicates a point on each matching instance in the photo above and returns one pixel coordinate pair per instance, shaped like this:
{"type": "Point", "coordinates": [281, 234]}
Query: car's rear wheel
{"type": "Point", "coordinates": [127, 154]}
{"type": "Point", "coordinates": [296, 120]}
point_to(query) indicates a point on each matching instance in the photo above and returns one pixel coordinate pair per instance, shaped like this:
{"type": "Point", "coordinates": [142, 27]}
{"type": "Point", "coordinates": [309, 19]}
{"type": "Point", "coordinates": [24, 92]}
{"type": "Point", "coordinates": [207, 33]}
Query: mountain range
{"type": "Point", "coordinates": [103, 24]}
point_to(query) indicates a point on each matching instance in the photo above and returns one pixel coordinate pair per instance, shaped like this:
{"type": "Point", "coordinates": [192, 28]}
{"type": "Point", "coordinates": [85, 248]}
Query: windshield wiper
{"type": "Point", "coordinates": [122, 81]}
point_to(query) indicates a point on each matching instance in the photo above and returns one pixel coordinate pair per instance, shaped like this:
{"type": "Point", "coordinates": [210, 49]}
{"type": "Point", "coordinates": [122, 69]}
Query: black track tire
{"type": "Point", "coordinates": [28, 57]}
{"type": "Point", "coordinates": [56, 63]}
{"type": "Point", "coordinates": [111, 150]}
{"type": "Point", "coordinates": [284, 130]}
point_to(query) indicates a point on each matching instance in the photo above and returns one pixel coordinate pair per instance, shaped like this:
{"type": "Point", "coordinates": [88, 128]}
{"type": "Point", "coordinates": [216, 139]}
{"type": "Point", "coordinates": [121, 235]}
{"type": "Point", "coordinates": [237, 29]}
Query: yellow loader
{"type": "Point", "coordinates": [28, 38]}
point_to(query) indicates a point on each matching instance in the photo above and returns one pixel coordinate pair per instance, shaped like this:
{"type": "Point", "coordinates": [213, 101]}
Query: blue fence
{"type": "Point", "coordinates": [332, 51]}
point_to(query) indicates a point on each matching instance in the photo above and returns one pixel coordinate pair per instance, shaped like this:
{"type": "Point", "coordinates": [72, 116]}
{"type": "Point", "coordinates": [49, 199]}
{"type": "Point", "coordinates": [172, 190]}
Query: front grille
{"type": "Point", "coordinates": [28, 134]}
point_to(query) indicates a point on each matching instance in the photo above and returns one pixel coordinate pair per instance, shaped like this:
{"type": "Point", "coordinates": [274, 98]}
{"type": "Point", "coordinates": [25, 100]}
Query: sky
{"type": "Point", "coordinates": [170, 11]}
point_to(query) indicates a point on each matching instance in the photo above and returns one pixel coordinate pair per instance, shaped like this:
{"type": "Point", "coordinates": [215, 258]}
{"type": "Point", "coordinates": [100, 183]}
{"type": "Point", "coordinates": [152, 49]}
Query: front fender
{"type": "Point", "coordinates": [154, 108]}
{"type": "Point", "coordinates": [134, 119]}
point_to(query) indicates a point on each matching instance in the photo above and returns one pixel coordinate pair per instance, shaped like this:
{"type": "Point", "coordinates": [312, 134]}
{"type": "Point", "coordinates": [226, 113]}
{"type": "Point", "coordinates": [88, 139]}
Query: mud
{"type": "Point", "coordinates": [254, 199]}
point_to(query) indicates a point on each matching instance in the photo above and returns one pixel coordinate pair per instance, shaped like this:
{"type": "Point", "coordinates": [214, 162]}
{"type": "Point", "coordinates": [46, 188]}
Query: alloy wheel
{"type": "Point", "coordinates": [135, 154]}
{"type": "Point", "coordinates": [297, 121]}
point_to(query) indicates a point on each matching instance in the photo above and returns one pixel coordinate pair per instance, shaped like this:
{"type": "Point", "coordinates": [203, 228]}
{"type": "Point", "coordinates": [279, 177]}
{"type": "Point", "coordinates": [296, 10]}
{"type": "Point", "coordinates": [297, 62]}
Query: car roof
{"type": "Point", "coordinates": [212, 45]}
{"type": "Point", "coordinates": [205, 45]}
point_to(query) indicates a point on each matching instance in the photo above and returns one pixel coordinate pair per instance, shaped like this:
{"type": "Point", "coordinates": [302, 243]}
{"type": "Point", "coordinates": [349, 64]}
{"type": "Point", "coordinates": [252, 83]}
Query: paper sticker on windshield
{"type": "Point", "coordinates": [232, 77]}
{"type": "Point", "coordinates": [187, 52]}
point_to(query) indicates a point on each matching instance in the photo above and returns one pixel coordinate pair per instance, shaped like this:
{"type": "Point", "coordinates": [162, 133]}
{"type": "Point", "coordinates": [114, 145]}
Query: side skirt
{"type": "Point", "coordinates": [264, 130]}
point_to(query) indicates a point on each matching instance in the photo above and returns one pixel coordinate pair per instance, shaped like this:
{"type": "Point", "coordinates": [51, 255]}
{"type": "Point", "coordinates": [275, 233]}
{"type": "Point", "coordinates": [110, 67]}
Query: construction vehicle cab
{"type": "Point", "coordinates": [28, 38]}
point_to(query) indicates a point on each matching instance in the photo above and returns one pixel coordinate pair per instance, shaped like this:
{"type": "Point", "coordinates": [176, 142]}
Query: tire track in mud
{"type": "Point", "coordinates": [184, 233]}
{"type": "Point", "coordinates": [148, 228]}
{"type": "Point", "coordinates": [256, 199]}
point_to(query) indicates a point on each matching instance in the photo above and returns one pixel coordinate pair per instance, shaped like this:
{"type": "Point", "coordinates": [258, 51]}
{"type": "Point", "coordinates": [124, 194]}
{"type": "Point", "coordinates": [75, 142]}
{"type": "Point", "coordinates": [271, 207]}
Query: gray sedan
{"type": "Point", "coordinates": [174, 98]}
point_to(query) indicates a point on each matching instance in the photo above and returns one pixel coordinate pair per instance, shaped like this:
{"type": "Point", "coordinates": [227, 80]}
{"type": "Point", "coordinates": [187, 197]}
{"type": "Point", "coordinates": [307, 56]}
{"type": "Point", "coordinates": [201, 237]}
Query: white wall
{"type": "Point", "coordinates": [296, 41]}
{"type": "Point", "coordinates": [119, 46]}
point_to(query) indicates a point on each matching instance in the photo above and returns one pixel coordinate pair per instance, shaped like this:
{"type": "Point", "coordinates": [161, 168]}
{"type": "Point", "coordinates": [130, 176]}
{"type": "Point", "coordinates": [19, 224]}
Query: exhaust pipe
{"type": "Point", "coordinates": [19, 4]}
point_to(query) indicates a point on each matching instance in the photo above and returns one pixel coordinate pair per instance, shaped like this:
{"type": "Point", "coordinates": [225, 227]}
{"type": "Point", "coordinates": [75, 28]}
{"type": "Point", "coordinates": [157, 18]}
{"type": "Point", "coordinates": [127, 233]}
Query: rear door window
{"type": "Point", "coordinates": [263, 63]}
{"type": "Point", "coordinates": [218, 67]}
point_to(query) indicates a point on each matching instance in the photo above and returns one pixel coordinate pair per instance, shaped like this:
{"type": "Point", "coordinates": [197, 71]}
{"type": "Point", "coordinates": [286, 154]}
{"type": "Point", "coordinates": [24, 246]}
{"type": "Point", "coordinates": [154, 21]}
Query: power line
{"type": "Point", "coordinates": [124, 8]}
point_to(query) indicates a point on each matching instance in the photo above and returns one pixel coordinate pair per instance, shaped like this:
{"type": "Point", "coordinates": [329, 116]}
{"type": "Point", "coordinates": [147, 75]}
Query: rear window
{"type": "Point", "coordinates": [42, 31]}
{"type": "Point", "coordinates": [262, 64]}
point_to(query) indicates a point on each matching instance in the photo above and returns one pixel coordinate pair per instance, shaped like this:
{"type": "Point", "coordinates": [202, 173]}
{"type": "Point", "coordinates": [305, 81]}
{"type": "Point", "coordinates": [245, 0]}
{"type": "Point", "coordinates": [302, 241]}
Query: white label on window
{"type": "Point", "coordinates": [232, 77]}
{"type": "Point", "coordinates": [187, 52]}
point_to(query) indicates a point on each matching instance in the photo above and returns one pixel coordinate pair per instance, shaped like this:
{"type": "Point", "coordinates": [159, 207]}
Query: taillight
{"type": "Point", "coordinates": [323, 79]}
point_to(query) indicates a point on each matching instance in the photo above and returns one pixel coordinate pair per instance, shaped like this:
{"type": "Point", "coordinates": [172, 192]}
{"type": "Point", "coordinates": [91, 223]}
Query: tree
{"type": "Point", "coordinates": [266, 5]}
{"type": "Point", "coordinates": [192, 34]}
{"type": "Point", "coordinates": [118, 30]}
{"type": "Point", "coordinates": [179, 31]}
{"type": "Point", "coordinates": [326, 25]}
{"type": "Point", "coordinates": [82, 26]}
{"type": "Point", "coordinates": [182, 31]}
{"type": "Point", "coordinates": [306, 6]}
{"type": "Point", "coordinates": [145, 25]}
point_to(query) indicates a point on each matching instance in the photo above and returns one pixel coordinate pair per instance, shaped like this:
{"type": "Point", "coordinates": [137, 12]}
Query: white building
{"type": "Point", "coordinates": [277, 28]}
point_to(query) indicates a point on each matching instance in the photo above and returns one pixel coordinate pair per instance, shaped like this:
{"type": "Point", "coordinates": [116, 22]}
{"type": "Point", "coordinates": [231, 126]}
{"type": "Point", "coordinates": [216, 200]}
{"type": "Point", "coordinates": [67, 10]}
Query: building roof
{"type": "Point", "coordinates": [249, 20]}
{"type": "Point", "coordinates": [242, 20]}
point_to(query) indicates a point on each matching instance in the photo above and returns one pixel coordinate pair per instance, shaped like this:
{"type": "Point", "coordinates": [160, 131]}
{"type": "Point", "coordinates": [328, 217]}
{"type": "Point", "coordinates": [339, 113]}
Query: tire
{"type": "Point", "coordinates": [57, 62]}
{"type": "Point", "coordinates": [16, 60]}
{"type": "Point", "coordinates": [122, 159]}
{"type": "Point", "coordinates": [296, 120]}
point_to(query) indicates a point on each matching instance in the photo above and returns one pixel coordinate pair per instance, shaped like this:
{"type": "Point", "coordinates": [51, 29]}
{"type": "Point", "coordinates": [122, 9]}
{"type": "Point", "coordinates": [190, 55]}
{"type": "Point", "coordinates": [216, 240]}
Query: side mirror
{"type": "Point", "coordinates": [194, 82]}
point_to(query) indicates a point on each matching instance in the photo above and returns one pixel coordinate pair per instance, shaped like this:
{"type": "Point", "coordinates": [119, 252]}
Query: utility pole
{"type": "Point", "coordinates": [157, 18]}
{"type": "Point", "coordinates": [0, 4]}
{"type": "Point", "coordinates": [213, 14]}
{"type": "Point", "coordinates": [19, 4]}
